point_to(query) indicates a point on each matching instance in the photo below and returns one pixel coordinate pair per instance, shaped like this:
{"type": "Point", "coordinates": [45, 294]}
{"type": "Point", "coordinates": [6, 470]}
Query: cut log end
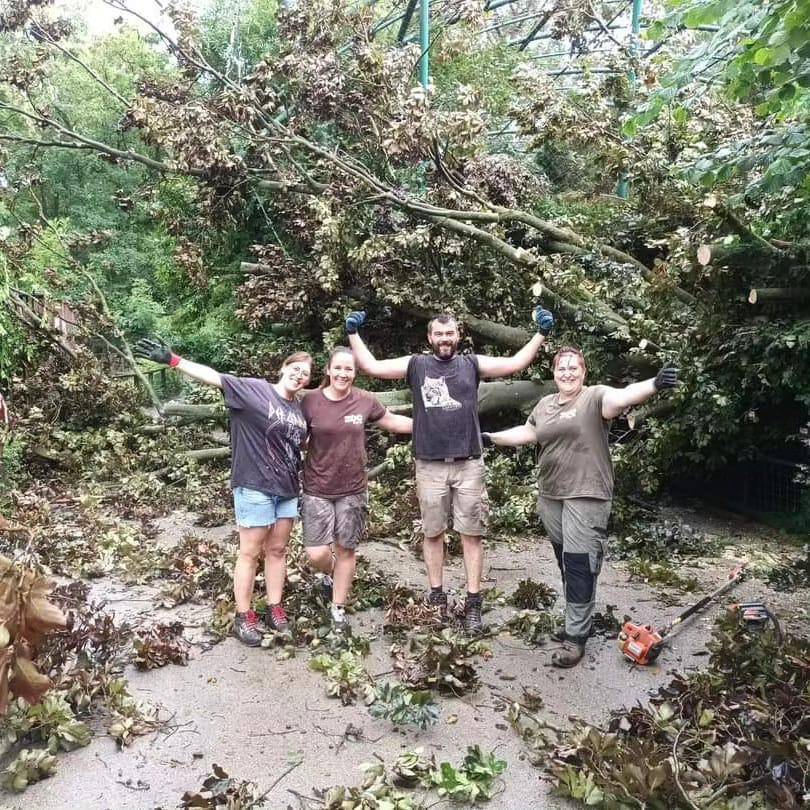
{"type": "Point", "coordinates": [704, 255]}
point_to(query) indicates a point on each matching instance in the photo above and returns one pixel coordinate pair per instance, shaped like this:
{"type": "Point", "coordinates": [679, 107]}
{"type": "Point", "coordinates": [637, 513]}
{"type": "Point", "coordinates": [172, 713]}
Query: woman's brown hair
{"type": "Point", "coordinates": [569, 350]}
{"type": "Point", "coordinates": [326, 381]}
{"type": "Point", "coordinates": [299, 357]}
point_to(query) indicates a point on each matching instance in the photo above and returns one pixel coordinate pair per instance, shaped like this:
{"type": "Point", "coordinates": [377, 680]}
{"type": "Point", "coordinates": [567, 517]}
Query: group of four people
{"type": "Point", "coordinates": [273, 423]}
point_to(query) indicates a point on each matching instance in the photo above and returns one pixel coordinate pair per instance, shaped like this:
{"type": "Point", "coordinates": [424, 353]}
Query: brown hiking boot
{"type": "Point", "coordinates": [569, 656]}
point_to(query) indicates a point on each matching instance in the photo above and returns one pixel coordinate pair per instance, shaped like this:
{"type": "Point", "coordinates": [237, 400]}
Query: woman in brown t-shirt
{"type": "Point", "coordinates": [575, 476]}
{"type": "Point", "coordinates": [335, 500]}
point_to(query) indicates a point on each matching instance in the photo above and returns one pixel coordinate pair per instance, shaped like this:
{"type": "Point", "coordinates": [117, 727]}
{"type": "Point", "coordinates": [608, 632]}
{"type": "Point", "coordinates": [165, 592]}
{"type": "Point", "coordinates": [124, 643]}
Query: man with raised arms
{"type": "Point", "coordinates": [447, 443]}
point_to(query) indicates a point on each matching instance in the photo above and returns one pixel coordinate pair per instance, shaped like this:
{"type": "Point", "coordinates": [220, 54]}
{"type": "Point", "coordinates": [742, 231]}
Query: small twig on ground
{"type": "Point", "coordinates": [259, 799]}
{"type": "Point", "coordinates": [275, 733]}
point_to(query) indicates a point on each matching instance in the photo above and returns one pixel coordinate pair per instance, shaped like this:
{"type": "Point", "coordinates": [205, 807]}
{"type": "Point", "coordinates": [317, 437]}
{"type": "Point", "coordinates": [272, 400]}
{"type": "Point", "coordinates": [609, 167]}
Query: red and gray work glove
{"type": "Point", "coordinates": [666, 378]}
{"type": "Point", "coordinates": [354, 322]}
{"type": "Point", "coordinates": [543, 320]}
{"type": "Point", "coordinates": [156, 351]}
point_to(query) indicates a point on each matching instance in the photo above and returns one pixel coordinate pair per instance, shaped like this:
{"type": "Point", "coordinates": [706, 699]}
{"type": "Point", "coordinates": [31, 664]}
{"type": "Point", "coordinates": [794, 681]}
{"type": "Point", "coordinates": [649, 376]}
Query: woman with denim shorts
{"type": "Point", "coordinates": [334, 505]}
{"type": "Point", "coordinates": [267, 434]}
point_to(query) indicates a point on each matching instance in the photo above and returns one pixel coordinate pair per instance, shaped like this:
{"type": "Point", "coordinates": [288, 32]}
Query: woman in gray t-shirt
{"type": "Point", "coordinates": [575, 479]}
{"type": "Point", "coordinates": [268, 432]}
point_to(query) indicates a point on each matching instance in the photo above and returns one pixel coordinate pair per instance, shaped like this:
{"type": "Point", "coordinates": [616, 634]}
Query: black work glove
{"type": "Point", "coordinates": [354, 322]}
{"type": "Point", "coordinates": [666, 378]}
{"type": "Point", "coordinates": [155, 350]}
{"type": "Point", "coordinates": [486, 440]}
{"type": "Point", "coordinates": [543, 320]}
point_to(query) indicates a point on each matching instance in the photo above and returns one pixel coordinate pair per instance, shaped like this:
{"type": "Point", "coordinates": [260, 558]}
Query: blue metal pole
{"type": "Point", "coordinates": [424, 42]}
{"type": "Point", "coordinates": [623, 186]}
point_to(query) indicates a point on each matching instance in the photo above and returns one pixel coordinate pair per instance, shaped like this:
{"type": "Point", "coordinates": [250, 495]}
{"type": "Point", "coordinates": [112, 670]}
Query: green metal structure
{"type": "Point", "coordinates": [424, 43]}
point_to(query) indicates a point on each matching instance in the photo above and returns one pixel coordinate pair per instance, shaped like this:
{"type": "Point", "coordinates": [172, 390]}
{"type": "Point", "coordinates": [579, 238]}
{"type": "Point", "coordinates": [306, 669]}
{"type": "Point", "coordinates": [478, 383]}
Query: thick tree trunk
{"type": "Point", "coordinates": [778, 295]}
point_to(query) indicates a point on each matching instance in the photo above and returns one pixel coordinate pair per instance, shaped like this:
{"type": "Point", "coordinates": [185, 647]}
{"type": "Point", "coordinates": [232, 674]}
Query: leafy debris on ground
{"type": "Point", "coordinates": [660, 541]}
{"type": "Point", "coordinates": [346, 677]}
{"type": "Point", "coordinates": [660, 574]}
{"type": "Point", "coordinates": [404, 706]}
{"type": "Point", "coordinates": [406, 610]}
{"type": "Point", "coordinates": [606, 624]}
{"type": "Point", "coordinates": [534, 626]}
{"type": "Point", "coordinates": [734, 735]}
{"type": "Point", "coordinates": [531, 595]}
{"type": "Point", "coordinates": [439, 661]}
{"type": "Point", "coordinates": [473, 781]}
{"type": "Point", "coordinates": [793, 575]}
{"type": "Point", "coordinates": [198, 567]}
{"type": "Point", "coordinates": [221, 790]}
{"type": "Point", "coordinates": [159, 645]}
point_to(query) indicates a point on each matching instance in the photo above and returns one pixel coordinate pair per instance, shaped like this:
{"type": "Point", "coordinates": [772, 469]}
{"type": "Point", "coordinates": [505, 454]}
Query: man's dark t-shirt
{"type": "Point", "coordinates": [267, 433]}
{"type": "Point", "coordinates": [445, 406]}
{"type": "Point", "coordinates": [336, 456]}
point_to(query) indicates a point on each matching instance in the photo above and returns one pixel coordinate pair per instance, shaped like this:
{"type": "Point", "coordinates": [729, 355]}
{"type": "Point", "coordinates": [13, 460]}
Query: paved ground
{"type": "Point", "coordinates": [248, 712]}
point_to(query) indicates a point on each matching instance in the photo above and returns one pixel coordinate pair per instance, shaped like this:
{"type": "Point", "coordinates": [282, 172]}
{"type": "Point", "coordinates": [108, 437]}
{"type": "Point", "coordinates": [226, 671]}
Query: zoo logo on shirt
{"type": "Point", "coordinates": [353, 419]}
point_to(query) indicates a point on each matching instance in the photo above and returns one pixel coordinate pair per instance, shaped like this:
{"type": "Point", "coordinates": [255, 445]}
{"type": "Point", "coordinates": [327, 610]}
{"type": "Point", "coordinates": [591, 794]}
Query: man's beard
{"type": "Point", "coordinates": [440, 350]}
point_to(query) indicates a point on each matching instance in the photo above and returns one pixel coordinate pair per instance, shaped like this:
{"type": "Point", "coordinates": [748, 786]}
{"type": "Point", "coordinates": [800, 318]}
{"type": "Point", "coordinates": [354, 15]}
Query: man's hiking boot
{"type": "Point", "coordinates": [473, 624]}
{"type": "Point", "coordinates": [276, 619]}
{"type": "Point", "coordinates": [246, 628]}
{"type": "Point", "coordinates": [570, 654]}
{"type": "Point", "coordinates": [439, 600]}
{"type": "Point", "coordinates": [559, 636]}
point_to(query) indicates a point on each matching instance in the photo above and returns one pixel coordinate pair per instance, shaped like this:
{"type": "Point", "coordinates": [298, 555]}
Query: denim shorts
{"type": "Point", "coordinates": [254, 509]}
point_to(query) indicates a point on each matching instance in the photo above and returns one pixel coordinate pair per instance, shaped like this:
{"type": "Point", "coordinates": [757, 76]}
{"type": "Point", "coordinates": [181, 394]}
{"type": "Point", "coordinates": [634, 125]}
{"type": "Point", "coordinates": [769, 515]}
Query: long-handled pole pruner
{"type": "Point", "coordinates": [641, 643]}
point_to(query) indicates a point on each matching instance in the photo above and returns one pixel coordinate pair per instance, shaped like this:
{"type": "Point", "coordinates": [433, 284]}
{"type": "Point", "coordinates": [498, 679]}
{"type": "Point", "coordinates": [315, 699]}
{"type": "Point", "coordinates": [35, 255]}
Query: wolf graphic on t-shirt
{"type": "Point", "coordinates": [436, 395]}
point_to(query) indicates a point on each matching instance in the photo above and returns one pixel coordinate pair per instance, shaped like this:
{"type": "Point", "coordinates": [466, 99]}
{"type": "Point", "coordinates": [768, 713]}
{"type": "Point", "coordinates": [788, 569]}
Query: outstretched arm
{"type": "Point", "coordinates": [618, 400]}
{"type": "Point", "coordinates": [504, 366]}
{"type": "Point", "coordinates": [513, 437]}
{"type": "Point", "coordinates": [158, 352]}
{"type": "Point", "coordinates": [395, 423]}
{"type": "Point", "coordinates": [393, 369]}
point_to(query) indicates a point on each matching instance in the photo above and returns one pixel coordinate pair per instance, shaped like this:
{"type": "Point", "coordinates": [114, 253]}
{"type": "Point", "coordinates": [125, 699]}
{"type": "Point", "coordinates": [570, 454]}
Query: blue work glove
{"type": "Point", "coordinates": [543, 320]}
{"type": "Point", "coordinates": [666, 378]}
{"type": "Point", "coordinates": [354, 322]}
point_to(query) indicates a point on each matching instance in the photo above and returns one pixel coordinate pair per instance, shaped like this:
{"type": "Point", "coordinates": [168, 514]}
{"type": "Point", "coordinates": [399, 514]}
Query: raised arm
{"type": "Point", "coordinates": [618, 400]}
{"type": "Point", "coordinates": [395, 423]}
{"type": "Point", "coordinates": [393, 369]}
{"type": "Point", "coordinates": [504, 366]}
{"type": "Point", "coordinates": [158, 352]}
{"type": "Point", "coordinates": [512, 437]}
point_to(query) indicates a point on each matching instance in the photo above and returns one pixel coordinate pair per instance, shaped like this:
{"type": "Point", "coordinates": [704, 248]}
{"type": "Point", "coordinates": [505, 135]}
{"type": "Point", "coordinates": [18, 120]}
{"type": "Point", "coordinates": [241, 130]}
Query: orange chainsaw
{"type": "Point", "coordinates": [642, 643]}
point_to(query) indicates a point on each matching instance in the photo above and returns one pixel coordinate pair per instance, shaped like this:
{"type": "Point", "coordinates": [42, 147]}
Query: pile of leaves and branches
{"type": "Point", "coordinates": [61, 666]}
{"type": "Point", "coordinates": [473, 781]}
{"type": "Point", "coordinates": [439, 661]}
{"type": "Point", "coordinates": [734, 735]}
{"type": "Point", "coordinates": [793, 574]}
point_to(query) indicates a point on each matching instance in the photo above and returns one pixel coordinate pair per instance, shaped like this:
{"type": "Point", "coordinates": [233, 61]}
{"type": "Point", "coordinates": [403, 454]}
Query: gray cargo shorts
{"type": "Point", "coordinates": [340, 520]}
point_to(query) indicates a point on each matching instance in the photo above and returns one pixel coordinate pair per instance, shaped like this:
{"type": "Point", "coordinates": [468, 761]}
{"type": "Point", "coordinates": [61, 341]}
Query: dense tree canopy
{"type": "Point", "coordinates": [219, 179]}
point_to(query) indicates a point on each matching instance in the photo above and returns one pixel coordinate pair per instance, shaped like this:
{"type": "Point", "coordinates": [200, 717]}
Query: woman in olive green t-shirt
{"type": "Point", "coordinates": [575, 476]}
